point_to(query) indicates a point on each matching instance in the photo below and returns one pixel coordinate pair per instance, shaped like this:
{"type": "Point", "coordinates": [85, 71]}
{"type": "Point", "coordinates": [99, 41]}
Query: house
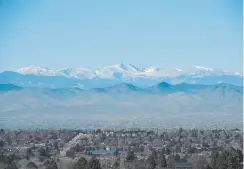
{"type": "Point", "coordinates": [183, 165]}
{"type": "Point", "coordinates": [198, 146]}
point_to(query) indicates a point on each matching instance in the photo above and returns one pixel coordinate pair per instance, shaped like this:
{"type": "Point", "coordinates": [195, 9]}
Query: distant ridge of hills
{"type": "Point", "coordinates": [170, 104]}
{"type": "Point", "coordinates": [9, 87]}
{"type": "Point", "coordinates": [160, 88]}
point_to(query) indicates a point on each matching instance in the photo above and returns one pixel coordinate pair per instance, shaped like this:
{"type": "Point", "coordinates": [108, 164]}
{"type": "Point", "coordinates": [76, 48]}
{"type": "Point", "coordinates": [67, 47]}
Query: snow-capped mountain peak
{"type": "Point", "coordinates": [30, 68]}
{"type": "Point", "coordinates": [77, 73]}
{"type": "Point", "coordinates": [202, 68]}
{"type": "Point", "coordinates": [199, 71]}
{"type": "Point", "coordinates": [117, 71]}
{"type": "Point", "coordinates": [151, 69]}
{"type": "Point", "coordinates": [179, 70]}
{"type": "Point", "coordinates": [157, 72]}
{"type": "Point", "coordinates": [123, 67]}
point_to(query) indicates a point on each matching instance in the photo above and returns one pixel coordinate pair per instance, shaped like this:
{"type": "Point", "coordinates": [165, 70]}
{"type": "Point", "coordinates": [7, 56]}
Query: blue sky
{"type": "Point", "coordinates": [95, 33]}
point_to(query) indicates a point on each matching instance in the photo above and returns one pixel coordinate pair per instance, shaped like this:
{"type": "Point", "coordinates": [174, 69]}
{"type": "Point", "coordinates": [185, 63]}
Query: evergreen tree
{"type": "Point", "coordinates": [94, 163]}
{"type": "Point", "coordinates": [116, 153]}
{"type": "Point", "coordinates": [215, 156]}
{"type": "Point", "coordinates": [52, 165]}
{"type": "Point", "coordinates": [29, 154]}
{"type": "Point", "coordinates": [1, 143]}
{"type": "Point", "coordinates": [81, 164]}
{"type": "Point", "coordinates": [162, 161]}
{"type": "Point", "coordinates": [31, 165]}
{"type": "Point", "coordinates": [154, 154]}
{"type": "Point", "coordinates": [208, 167]}
{"type": "Point", "coordinates": [56, 147]}
{"type": "Point", "coordinates": [230, 159]}
{"type": "Point", "coordinates": [177, 158]}
{"type": "Point", "coordinates": [171, 162]}
{"type": "Point", "coordinates": [116, 163]}
{"type": "Point", "coordinates": [130, 156]}
{"type": "Point", "coordinates": [1, 149]}
{"type": "Point", "coordinates": [43, 152]}
{"type": "Point", "coordinates": [151, 162]}
{"type": "Point", "coordinates": [12, 166]}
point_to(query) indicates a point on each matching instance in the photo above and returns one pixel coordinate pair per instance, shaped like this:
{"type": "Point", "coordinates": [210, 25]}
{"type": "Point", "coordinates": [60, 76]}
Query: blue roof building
{"type": "Point", "coordinates": [183, 165]}
{"type": "Point", "coordinates": [102, 153]}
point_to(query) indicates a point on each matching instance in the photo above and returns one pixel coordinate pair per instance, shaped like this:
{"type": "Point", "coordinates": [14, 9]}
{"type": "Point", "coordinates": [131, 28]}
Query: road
{"type": "Point", "coordinates": [72, 143]}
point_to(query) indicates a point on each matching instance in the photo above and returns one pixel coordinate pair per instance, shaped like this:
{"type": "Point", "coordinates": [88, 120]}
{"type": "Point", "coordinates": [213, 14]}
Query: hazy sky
{"type": "Point", "coordinates": [97, 33]}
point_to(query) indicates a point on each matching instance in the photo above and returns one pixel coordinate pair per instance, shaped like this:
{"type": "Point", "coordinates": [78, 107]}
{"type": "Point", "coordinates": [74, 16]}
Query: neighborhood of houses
{"type": "Point", "coordinates": [121, 149]}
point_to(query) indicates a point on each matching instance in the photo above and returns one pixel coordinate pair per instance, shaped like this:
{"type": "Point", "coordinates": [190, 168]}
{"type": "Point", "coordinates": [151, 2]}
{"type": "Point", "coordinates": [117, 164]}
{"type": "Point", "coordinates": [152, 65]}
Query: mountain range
{"type": "Point", "coordinates": [161, 88]}
{"type": "Point", "coordinates": [119, 73]}
{"type": "Point", "coordinates": [112, 96]}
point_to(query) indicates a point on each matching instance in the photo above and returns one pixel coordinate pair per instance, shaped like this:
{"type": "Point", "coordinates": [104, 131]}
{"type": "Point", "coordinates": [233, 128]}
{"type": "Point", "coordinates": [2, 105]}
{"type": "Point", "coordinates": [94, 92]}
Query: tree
{"type": "Point", "coordinates": [46, 146]}
{"type": "Point", "coordinates": [31, 165]}
{"type": "Point", "coordinates": [81, 164]}
{"type": "Point", "coordinates": [180, 130]}
{"type": "Point", "coordinates": [162, 160]}
{"type": "Point", "coordinates": [154, 154]}
{"type": "Point", "coordinates": [103, 137]}
{"type": "Point", "coordinates": [191, 150]}
{"type": "Point", "coordinates": [151, 162]}
{"type": "Point", "coordinates": [198, 162]}
{"type": "Point", "coordinates": [1, 147]}
{"type": "Point", "coordinates": [178, 148]}
{"type": "Point", "coordinates": [70, 154]}
{"type": "Point", "coordinates": [208, 167]}
{"type": "Point", "coordinates": [52, 165]}
{"type": "Point", "coordinates": [215, 156]}
{"type": "Point", "coordinates": [171, 162]}
{"type": "Point", "coordinates": [202, 132]}
{"type": "Point", "coordinates": [229, 159]}
{"type": "Point", "coordinates": [116, 153]}
{"type": "Point", "coordinates": [94, 163]}
{"type": "Point", "coordinates": [116, 163]}
{"type": "Point", "coordinates": [12, 166]}
{"type": "Point", "coordinates": [9, 140]}
{"type": "Point", "coordinates": [29, 153]}
{"type": "Point", "coordinates": [177, 158]}
{"type": "Point", "coordinates": [1, 143]}
{"type": "Point", "coordinates": [130, 156]}
{"type": "Point", "coordinates": [9, 159]}
{"type": "Point", "coordinates": [56, 147]}
{"type": "Point", "coordinates": [167, 151]}
{"type": "Point", "coordinates": [43, 152]}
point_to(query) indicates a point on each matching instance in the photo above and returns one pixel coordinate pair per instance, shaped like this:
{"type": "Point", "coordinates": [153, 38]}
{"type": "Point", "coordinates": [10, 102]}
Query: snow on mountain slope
{"type": "Point", "coordinates": [80, 73]}
{"type": "Point", "coordinates": [118, 71]}
{"type": "Point", "coordinates": [198, 71]}
{"type": "Point", "coordinates": [37, 71]}
{"type": "Point", "coordinates": [127, 71]}
{"type": "Point", "coordinates": [156, 72]}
